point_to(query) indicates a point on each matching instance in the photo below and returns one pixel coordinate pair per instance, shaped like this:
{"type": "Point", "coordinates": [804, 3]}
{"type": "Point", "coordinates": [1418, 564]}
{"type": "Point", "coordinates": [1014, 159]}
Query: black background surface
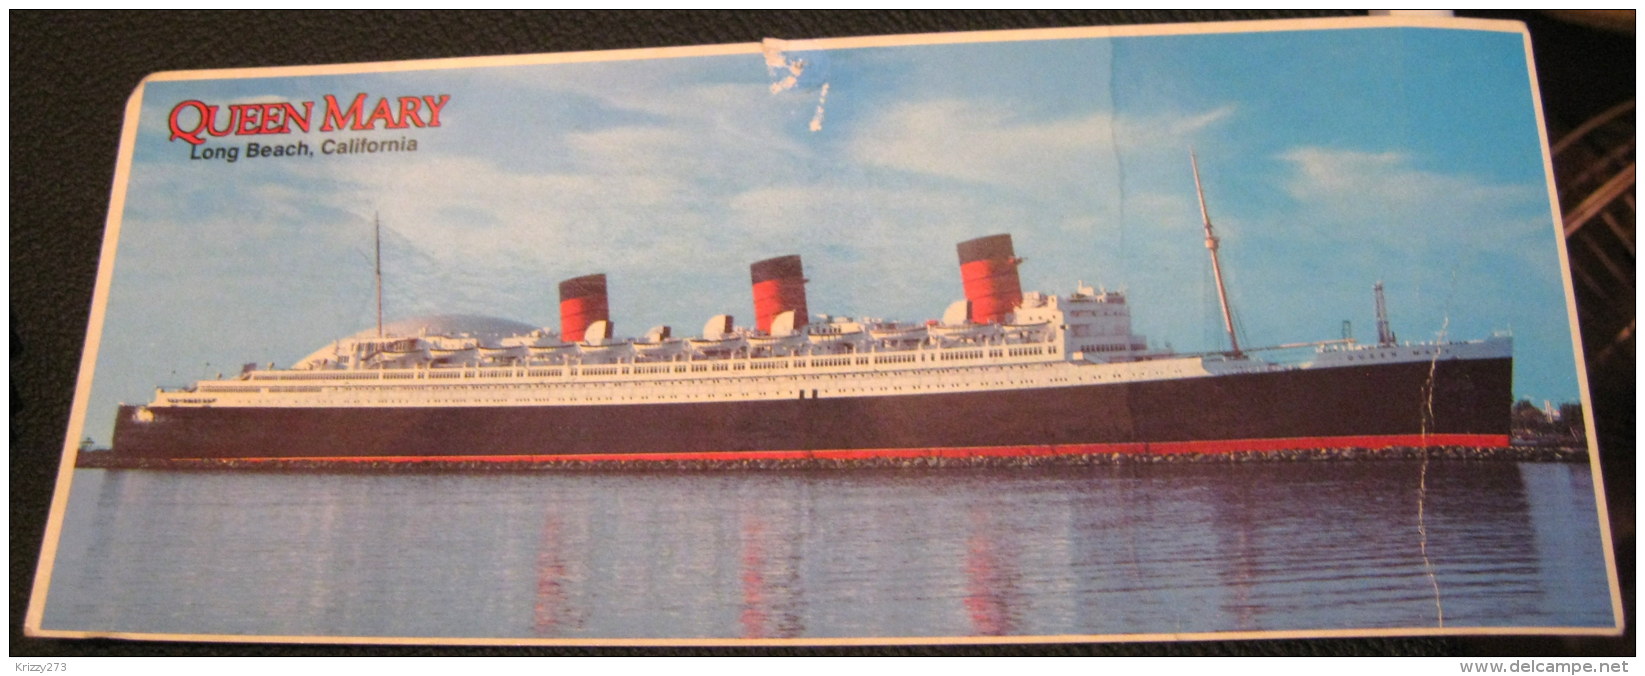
{"type": "Point", "coordinates": [71, 74]}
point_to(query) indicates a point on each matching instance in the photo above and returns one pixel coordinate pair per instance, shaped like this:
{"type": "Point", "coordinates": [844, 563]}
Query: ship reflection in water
{"type": "Point", "coordinates": [1105, 550]}
{"type": "Point", "coordinates": [991, 600]}
{"type": "Point", "coordinates": [552, 613]}
{"type": "Point", "coordinates": [771, 598]}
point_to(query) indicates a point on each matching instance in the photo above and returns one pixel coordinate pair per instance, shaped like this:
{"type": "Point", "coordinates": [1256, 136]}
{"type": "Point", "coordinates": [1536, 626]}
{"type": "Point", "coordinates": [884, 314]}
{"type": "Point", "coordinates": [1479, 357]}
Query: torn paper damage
{"type": "Point", "coordinates": [797, 73]}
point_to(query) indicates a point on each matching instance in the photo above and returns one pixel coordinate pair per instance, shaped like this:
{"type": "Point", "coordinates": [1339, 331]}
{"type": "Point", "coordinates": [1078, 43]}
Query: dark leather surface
{"type": "Point", "coordinates": [70, 76]}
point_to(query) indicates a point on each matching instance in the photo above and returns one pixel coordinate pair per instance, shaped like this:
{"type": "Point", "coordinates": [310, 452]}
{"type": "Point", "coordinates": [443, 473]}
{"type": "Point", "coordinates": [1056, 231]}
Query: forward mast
{"type": "Point", "coordinates": [1211, 243]}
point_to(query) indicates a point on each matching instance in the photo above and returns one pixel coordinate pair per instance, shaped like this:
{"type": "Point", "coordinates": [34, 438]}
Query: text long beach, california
{"type": "Point", "coordinates": [255, 150]}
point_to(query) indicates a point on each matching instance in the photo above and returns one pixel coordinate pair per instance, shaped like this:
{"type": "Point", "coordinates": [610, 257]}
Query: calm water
{"type": "Point", "coordinates": [1105, 550]}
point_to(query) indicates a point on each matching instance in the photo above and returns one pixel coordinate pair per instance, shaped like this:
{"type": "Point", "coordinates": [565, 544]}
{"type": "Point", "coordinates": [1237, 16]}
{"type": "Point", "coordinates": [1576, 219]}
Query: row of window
{"type": "Point", "coordinates": [650, 395]}
{"type": "Point", "coordinates": [815, 362]}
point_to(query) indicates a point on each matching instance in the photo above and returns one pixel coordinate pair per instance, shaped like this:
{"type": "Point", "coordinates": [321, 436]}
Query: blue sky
{"type": "Point", "coordinates": [1331, 160]}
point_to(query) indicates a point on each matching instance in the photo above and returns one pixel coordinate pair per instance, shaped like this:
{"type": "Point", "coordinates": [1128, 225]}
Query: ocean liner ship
{"type": "Point", "coordinates": [1004, 373]}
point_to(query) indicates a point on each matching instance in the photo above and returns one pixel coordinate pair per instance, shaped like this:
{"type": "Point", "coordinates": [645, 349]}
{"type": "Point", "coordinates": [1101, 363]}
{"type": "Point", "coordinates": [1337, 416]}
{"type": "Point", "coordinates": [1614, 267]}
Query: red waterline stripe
{"type": "Point", "coordinates": [1170, 447]}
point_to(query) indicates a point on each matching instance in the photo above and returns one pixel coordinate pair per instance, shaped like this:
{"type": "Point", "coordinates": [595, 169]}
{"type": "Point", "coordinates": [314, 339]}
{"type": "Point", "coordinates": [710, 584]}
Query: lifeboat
{"type": "Point", "coordinates": [658, 344]}
{"type": "Point", "coordinates": [499, 354]}
{"type": "Point", "coordinates": [717, 347]}
{"type": "Point", "coordinates": [604, 352]}
{"type": "Point", "coordinates": [835, 334]}
{"type": "Point", "coordinates": [773, 342]}
{"type": "Point", "coordinates": [965, 332]}
{"type": "Point", "coordinates": [556, 350]}
{"type": "Point", "coordinates": [452, 351]}
{"type": "Point", "coordinates": [899, 333]}
{"type": "Point", "coordinates": [1025, 332]}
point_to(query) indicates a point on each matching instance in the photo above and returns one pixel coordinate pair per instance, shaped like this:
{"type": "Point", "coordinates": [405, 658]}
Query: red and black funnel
{"type": "Point", "coordinates": [988, 266]}
{"type": "Point", "coordinates": [779, 286]}
{"type": "Point", "coordinates": [582, 302]}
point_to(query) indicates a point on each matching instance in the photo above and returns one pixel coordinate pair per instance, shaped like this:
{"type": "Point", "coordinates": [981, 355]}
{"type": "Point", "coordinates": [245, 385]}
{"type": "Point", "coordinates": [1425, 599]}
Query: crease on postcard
{"type": "Point", "coordinates": [1422, 476]}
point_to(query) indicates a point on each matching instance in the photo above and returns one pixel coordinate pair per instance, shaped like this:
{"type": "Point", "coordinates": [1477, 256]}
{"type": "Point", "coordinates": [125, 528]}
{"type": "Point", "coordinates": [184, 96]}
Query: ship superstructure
{"type": "Point", "coordinates": [1043, 341]}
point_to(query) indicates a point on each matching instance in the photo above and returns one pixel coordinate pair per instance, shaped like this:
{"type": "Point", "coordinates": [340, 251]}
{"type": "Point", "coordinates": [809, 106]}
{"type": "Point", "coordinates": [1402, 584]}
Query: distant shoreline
{"type": "Point", "coordinates": [103, 459]}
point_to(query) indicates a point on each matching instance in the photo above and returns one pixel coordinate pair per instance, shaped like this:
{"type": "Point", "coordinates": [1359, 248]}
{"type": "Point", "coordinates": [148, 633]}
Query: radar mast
{"type": "Point", "coordinates": [1385, 334]}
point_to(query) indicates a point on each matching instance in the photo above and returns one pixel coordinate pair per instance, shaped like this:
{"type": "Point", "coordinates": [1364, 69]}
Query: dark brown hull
{"type": "Point", "coordinates": [1370, 406]}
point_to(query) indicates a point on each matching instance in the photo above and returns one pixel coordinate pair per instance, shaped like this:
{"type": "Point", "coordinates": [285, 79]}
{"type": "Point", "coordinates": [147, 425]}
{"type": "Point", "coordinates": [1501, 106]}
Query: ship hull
{"type": "Point", "coordinates": [1359, 407]}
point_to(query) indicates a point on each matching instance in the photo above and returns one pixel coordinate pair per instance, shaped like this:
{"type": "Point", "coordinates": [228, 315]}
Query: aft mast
{"type": "Point", "coordinates": [1216, 265]}
{"type": "Point", "coordinates": [1385, 335]}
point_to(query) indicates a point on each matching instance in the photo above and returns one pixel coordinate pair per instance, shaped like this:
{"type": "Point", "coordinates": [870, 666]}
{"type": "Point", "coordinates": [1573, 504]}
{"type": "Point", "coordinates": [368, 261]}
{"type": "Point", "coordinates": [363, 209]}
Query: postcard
{"type": "Point", "coordinates": [1109, 334]}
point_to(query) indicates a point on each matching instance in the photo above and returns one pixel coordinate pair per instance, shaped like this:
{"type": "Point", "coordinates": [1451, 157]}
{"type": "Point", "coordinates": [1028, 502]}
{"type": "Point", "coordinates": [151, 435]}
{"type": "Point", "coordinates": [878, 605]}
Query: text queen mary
{"type": "Point", "coordinates": [193, 120]}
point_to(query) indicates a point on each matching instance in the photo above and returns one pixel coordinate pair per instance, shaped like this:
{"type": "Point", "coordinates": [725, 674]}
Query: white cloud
{"type": "Point", "coordinates": [995, 144]}
{"type": "Point", "coordinates": [1386, 204]}
{"type": "Point", "coordinates": [1386, 186]}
